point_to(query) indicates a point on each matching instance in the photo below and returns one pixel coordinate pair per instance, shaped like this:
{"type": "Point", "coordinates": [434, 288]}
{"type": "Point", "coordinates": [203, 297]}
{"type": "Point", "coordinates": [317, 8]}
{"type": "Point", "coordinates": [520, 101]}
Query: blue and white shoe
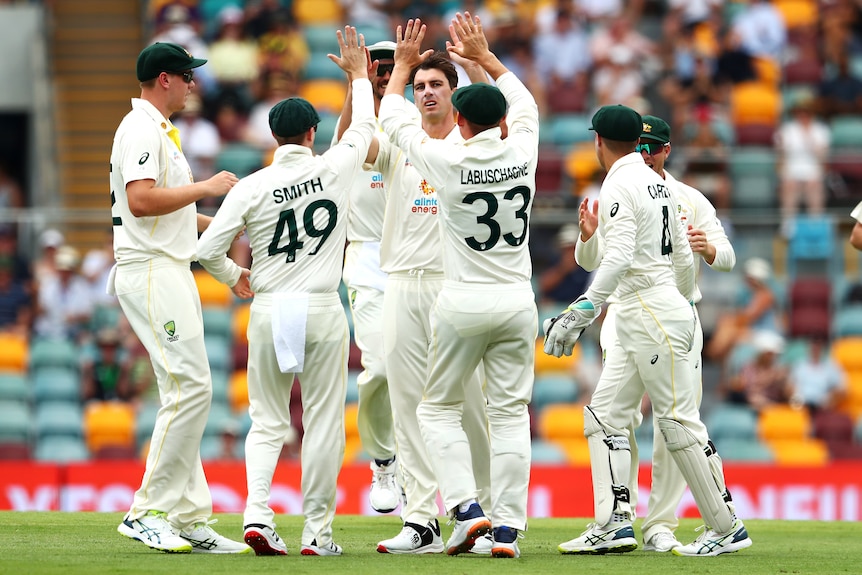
{"type": "Point", "coordinates": [596, 540]}
{"type": "Point", "coordinates": [505, 543]}
{"type": "Point", "coordinates": [710, 543]}
{"type": "Point", "coordinates": [469, 526]}
{"type": "Point", "coordinates": [154, 531]}
{"type": "Point", "coordinates": [205, 539]}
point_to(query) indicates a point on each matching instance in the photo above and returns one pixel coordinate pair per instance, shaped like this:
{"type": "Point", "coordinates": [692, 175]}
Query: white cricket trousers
{"type": "Point", "coordinates": [494, 324]}
{"type": "Point", "coordinates": [374, 417]}
{"type": "Point", "coordinates": [161, 302]}
{"type": "Point", "coordinates": [647, 341]}
{"type": "Point", "coordinates": [407, 304]}
{"type": "Point", "coordinates": [323, 384]}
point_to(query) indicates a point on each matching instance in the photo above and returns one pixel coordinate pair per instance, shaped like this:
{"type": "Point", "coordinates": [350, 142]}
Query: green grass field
{"type": "Point", "coordinates": [71, 543]}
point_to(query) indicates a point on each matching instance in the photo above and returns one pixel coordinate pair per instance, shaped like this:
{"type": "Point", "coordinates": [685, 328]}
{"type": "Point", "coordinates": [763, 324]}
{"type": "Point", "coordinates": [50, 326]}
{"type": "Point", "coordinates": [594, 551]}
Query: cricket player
{"type": "Point", "coordinates": [648, 267]}
{"type": "Point", "coordinates": [366, 283]}
{"type": "Point", "coordinates": [486, 310]}
{"type": "Point", "coordinates": [295, 214]}
{"type": "Point", "coordinates": [153, 197]}
{"type": "Point", "coordinates": [412, 256]}
{"type": "Point", "coordinates": [856, 232]}
{"type": "Point", "coordinates": [708, 240]}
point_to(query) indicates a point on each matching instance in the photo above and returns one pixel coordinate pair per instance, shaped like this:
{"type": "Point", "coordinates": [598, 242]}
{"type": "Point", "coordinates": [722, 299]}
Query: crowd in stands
{"type": "Point", "coordinates": [758, 93]}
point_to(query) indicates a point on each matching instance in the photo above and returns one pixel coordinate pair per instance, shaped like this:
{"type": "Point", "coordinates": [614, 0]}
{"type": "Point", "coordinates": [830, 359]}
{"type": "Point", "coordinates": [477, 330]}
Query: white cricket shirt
{"type": "Point", "coordinates": [485, 187]}
{"type": "Point", "coordinates": [294, 212]}
{"type": "Point", "coordinates": [143, 151]}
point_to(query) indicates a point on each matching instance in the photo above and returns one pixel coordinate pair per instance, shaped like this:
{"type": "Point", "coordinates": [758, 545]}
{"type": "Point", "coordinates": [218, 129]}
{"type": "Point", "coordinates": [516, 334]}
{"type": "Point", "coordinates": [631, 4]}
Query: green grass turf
{"type": "Point", "coordinates": [71, 543]}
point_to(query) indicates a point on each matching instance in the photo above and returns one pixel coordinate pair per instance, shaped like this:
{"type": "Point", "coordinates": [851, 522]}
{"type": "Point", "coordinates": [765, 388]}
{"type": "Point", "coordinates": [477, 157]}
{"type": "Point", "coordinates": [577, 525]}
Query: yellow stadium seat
{"type": "Point", "coordinates": [755, 103]}
{"type": "Point", "coordinates": [239, 328]}
{"type": "Point", "coordinates": [109, 424]}
{"type": "Point", "coordinates": [782, 422]}
{"type": "Point", "coordinates": [351, 423]}
{"type": "Point", "coordinates": [797, 13]}
{"type": "Point", "coordinates": [548, 363]}
{"type": "Point", "coordinates": [325, 95]}
{"type": "Point", "coordinates": [577, 450]}
{"type": "Point", "coordinates": [212, 292]}
{"type": "Point", "coordinates": [14, 353]}
{"type": "Point", "coordinates": [561, 421]}
{"type": "Point", "coordinates": [851, 403]}
{"type": "Point", "coordinates": [799, 452]}
{"type": "Point", "coordinates": [237, 391]}
{"type": "Point", "coordinates": [847, 352]}
{"type": "Point", "coordinates": [316, 11]}
{"type": "Point", "coordinates": [768, 71]}
{"type": "Point", "coordinates": [581, 163]}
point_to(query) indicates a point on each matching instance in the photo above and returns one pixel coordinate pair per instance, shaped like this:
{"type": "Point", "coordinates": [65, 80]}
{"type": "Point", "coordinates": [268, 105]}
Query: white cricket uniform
{"type": "Point", "coordinates": [647, 271]}
{"type": "Point", "coordinates": [486, 310]}
{"type": "Point", "coordinates": [365, 283]}
{"type": "Point", "coordinates": [412, 256]}
{"type": "Point", "coordinates": [668, 484]}
{"type": "Point", "coordinates": [158, 295]}
{"type": "Point", "coordinates": [295, 214]}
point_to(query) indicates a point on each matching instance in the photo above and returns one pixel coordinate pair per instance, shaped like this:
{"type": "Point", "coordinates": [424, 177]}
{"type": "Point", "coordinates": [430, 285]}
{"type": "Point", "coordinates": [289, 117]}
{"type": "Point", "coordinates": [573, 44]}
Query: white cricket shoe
{"type": "Point", "coordinates": [505, 543]}
{"type": "Point", "coordinates": [612, 538]}
{"type": "Point", "coordinates": [154, 531]}
{"type": "Point", "coordinates": [483, 545]}
{"type": "Point", "coordinates": [661, 542]}
{"type": "Point", "coordinates": [329, 550]}
{"type": "Point", "coordinates": [385, 494]}
{"type": "Point", "coordinates": [264, 540]}
{"type": "Point", "coordinates": [414, 538]}
{"type": "Point", "coordinates": [469, 526]}
{"type": "Point", "coordinates": [204, 539]}
{"type": "Point", "coordinates": [710, 543]}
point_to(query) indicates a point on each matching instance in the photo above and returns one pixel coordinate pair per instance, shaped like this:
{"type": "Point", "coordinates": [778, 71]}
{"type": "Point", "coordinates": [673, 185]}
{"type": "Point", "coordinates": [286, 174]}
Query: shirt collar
{"type": "Point", "coordinates": [628, 159]}
{"type": "Point", "coordinates": [283, 153]}
{"type": "Point", "coordinates": [153, 113]}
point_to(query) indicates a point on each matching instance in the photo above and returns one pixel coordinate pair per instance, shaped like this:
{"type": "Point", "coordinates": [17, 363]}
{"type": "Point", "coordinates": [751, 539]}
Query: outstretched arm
{"type": "Point", "coordinates": [407, 55]}
{"type": "Point", "coordinates": [469, 41]}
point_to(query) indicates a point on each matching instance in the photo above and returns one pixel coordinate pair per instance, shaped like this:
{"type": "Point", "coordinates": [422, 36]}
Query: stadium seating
{"type": "Point", "coordinates": [729, 421]}
{"type": "Point", "coordinates": [53, 353]}
{"type": "Point", "coordinates": [109, 424]}
{"type": "Point", "coordinates": [237, 391]}
{"type": "Point", "coordinates": [325, 131]}
{"type": "Point", "coordinates": [316, 12]}
{"type": "Point", "coordinates": [561, 421]}
{"type": "Point", "coordinates": [325, 94]}
{"type": "Point", "coordinates": [847, 321]}
{"type": "Point", "coordinates": [755, 103]}
{"type": "Point", "coordinates": [61, 449]}
{"type": "Point", "coordinates": [241, 159]}
{"type": "Point", "coordinates": [145, 421]}
{"type": "Point", "coordinates": [14, 386]}
{"type": "Point", "coordinates": [792, 452]}
{"type": "Point", "coordinates": [798, 13]}
{"type": "Point", "coordinates": [58, 418]}
{"type": "Point", "coordinates": [568, 129]}
{"type": "Point", "coordinates": [14, 354]}
{"type": "Point", "coordinates": [744, 450]}
{"type": "Point", "coordinates": [546, 452]}
{"type": "Point", "coordinates": [553, 388]}
{"type": "Point", "coordinates": [321, 37]}
{"type": "Point", "coordinates": [847, 352]}
{"type": "Point", "coordinates": [846, 132]}
{"type": "Point", "coordinates": [782, 422]}
{"type": "Point", "coordinates": [217, 321]}
{"type": "Point", "coordinates": [212, 292]}
{"type": "Point", "coordinates": [56, 383]}
{"type": "Point", "coordinates": [352, 395]}
{"type": "Point", "coordinates": [15, 422]}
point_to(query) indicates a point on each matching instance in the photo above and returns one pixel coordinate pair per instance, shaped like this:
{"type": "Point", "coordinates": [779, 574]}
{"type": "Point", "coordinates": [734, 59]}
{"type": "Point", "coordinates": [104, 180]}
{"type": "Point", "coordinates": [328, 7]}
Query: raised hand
{"type": "Point", "coordinates": [408, 43]}
{"type": "Point", "coordinates": [588, 219]}
{"type": "Point", "coordinates": [468, 38]}
{"type": "Point", "coordinates": [354, 58]}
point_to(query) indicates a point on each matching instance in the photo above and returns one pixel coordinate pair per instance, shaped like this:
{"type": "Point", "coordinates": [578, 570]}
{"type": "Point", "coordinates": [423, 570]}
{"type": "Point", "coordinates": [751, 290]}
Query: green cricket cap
{"type": "Point", "coordinates": [292, 117]}
{"type": "Point", "coordinates": [482, 104]}
{"type": "Point", "coordinates": [654, 128]}
{"type": "Point", "coordinates": [165, 57]}
{"type": "Point", "coordinates": [617, 122]}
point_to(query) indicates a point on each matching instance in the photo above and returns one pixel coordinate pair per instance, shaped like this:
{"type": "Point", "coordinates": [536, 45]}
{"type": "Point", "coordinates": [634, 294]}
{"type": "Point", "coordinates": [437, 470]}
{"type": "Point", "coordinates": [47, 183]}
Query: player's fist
{"type": "Point", "coordinates": [221, 183]}
{"type": "Point", "coordinates": [563, 331]}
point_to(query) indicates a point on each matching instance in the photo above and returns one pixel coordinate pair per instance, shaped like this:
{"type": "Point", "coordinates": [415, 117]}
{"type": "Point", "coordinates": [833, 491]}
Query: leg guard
{"type": "Point", "coordinates": [692, 461]}
{"type": "Point", "coordinates": [610, 457]}
{"type": "Point", "coordinates": [717, 468]}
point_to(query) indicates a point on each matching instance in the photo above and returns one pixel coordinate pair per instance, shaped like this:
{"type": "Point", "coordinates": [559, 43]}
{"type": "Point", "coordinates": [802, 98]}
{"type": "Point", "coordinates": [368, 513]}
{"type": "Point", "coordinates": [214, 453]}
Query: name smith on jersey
{"type": "Point", "coordinates": [297, 190]}
{"type": "Point", "coordinates": [491, 175]}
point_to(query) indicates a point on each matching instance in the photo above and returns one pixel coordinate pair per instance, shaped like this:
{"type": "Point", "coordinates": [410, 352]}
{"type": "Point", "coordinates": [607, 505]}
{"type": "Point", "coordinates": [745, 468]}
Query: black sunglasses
{"type": "Point", "coordinates": [651, 148]}
{"type": "Point", "coordinates": [382, 69]}
{"type": "Point", "coordinates": [187, 76]}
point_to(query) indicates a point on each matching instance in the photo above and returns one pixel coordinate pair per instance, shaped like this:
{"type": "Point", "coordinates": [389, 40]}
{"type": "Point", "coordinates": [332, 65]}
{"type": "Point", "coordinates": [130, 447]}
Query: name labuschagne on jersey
{"type": "Point", "coordinates": [491, 175]}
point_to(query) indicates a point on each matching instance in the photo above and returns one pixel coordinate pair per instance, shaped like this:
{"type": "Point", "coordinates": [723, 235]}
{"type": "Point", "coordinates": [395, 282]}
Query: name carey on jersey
{"type": "Point", "coordinates": [305, 188]}
{"type": "Point", "coordinates": [492, 175]}
{"type": "Point", "coordinates": [657, 191]}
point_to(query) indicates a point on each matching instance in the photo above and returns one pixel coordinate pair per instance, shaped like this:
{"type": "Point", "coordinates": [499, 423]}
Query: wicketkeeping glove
{"type": "Point", "coordinates": [563, 331]}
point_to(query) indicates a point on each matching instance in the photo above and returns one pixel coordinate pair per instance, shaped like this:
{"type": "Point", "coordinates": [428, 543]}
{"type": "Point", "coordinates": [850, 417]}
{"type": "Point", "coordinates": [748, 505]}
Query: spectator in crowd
{"type": "Point", "coordinates": [734, 65]}
{"type": "Point", "coordinates": [16, 312]}
{"type": "Point", "coordinates": [233, 56]}
{"type": "Point", "coordinates": [11, 196]}
{"type": "Point", "coordinates": [277, 86]}
{"type": "Point", "coordinates": [361, 13]}
{"type": "Point", "coordinates": [64, 303]}
{"type": "Point", "coordinates": [842, 93]}
{"type": "Point", "coordinates": [105, 374]}
{"type": "Point", "coordinates": [620, 80]}
{"type": "Point", "coordinates": [200, 138]}
{"type": "Point", "coordinates": [20, 266]}
{"type": "Point", "coordinates": [282, 48]}
{"type": "Point", "coordinates": [802, 144]}
{"type": "Point", "coordinates": [763, 381]}
{"type": "Point", "coordinates": [261, 15]}
{"type": "Point", "coordinates": [705, 159]}
{"type": "Point", "coordinates": [621, 33]}
{"type": "Point", "coordinates": [855, 240]}
{"type": "Point", "coordinates": [761, 30]}
{"type": "Point", "coordinates": [45, 265]}
{"type": "Point", "coordinates": [561, 54]}
{"type": "Point", "coordinates": [96, 268]}
{"type": "Point", "coordinates": [759, 312]}
{"type": "Point", "coordinates": [179, 23]}
{"type": "Point", "coordinates": [818, 381]}
{"type": "Point", "coordinates": [565, 280]}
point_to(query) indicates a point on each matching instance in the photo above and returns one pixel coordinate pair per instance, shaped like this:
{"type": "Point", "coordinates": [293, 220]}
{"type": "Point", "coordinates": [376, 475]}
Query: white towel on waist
{"type": "Point", "coordinates": [289, 317]}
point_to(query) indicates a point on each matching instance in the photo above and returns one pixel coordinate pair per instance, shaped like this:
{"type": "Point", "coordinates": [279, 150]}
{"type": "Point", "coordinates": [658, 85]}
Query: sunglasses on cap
{"type": "Point", "coordinates": [382, 69]}
{"type": "Point", "coordinates": [651, 148]}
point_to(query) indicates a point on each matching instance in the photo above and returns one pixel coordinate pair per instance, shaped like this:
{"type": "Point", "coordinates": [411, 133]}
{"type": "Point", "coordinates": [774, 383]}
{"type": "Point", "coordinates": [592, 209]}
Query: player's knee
{"type": "Point", "coordinates": [594, 426]}
{"type": "Point", "coordinates": [676, 435]}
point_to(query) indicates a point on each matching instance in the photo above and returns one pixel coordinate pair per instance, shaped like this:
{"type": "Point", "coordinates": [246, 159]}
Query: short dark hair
{"type": "Point", "coordinates": [438, 61]}
{"type": "Point", "coordinates": [619, 147]}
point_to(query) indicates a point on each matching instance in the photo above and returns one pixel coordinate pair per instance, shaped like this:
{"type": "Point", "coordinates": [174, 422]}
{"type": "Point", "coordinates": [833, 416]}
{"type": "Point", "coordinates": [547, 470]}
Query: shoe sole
{"type": "Point", "coordinates": [618, 548]}
{"type": "Point", "coordinates": [478, 530]}
{"type": "Point", "coordinates": [732, 548]}
{"type": "Point", "coordinates": [259, 544]}
{"type": "Point", "coordinates": [317, 553]}
{"type": "Point", "coordinates": [438, 548]}
{"type": "Point", "coordinates": [384, 510]}
{"type": "Point", "coordinates": [504, 553]}
{"type": "Point", "coordinates": [127, 531]}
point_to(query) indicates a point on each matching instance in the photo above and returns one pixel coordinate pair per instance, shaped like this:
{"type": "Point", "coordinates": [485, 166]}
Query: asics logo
{"type": "Point", "coordinates": [654, 359]}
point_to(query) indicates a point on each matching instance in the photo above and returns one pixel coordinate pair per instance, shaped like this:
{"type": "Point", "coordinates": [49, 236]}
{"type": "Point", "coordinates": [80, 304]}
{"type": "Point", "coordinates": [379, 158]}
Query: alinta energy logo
{"type": "Point", "coordinates": [427, 203]}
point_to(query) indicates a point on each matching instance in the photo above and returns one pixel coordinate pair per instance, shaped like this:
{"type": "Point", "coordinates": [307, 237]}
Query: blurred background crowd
{"type": "Point", "coordinates": [764, 98]}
